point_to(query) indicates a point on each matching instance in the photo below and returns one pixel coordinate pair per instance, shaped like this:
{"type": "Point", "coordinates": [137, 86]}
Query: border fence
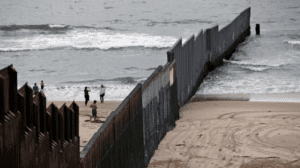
{"type": "Point", "coordinates": [130, 135]}
{"type": "Point", "coordinates": [201, 54]}
{"type": "Point", "coordinates": [130, 139]}
{"type": "Point", "coordinates": [31, 135]}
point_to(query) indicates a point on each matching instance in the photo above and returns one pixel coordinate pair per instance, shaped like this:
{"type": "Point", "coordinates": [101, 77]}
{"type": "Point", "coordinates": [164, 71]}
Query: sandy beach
{"type": "Point", "coordinates": [218, 134]}
{"type": "Point", "coordinates": [233, 134]}
{"type": "Point", "coordinates": [87, 128]}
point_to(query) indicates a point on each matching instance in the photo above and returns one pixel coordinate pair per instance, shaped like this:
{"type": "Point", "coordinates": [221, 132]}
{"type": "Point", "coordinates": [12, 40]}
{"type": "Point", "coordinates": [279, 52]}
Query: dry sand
{"type": "Point", "coordinates": [87, 128]}
{"type": "Point", "coordinates": [232, 134]}
{"type": "Point", "coordinates": [218, 134]}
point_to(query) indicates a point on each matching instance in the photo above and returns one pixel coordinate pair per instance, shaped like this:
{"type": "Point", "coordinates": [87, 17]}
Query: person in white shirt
{"type": "Point", "coordinates": [102, 93]}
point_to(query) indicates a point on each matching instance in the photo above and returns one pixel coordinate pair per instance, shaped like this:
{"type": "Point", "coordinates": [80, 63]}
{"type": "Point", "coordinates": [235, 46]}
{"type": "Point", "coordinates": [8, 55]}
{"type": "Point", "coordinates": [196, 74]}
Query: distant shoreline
{"type": "Point", "coordinates": [269, 97]}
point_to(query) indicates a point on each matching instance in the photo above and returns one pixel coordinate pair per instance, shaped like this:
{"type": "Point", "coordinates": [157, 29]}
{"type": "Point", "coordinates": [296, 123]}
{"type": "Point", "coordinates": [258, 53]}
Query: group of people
{"type": "Point", "coordinates": [36, 88]}
{"type": "Point", "coordinates": [94, 105]}
{"type": "Point", "coordinates": [86, 95]}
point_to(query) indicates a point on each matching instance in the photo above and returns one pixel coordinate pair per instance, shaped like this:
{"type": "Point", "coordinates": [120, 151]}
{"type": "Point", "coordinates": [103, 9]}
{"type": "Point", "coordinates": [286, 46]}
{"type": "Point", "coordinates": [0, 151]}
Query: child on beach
{"type": "Point", "coordinates": [86, 95]}
{"type": "Point", "coordinates": [102, 93]}
{"type": "Point", "coordinates": [94, 110]}
{"type": "Point", "coordinates": [35, 89]}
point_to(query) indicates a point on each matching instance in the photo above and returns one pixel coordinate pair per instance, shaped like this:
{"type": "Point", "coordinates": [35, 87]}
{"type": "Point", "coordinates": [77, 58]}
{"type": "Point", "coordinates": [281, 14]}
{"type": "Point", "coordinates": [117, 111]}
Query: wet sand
{"type": "Point", "coordinates": [232, 134]}
{"type": "Point", "coordinates": [87, 128]}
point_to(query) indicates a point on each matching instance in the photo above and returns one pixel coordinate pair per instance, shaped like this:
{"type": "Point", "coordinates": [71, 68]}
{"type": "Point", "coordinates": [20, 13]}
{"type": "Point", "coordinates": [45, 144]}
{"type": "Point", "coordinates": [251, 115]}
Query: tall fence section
{"type": "Point", "coordinates": [31, 135]}
{"type": "Point", "coordinates": [131, 133]}
{"type": "Point", "coordinates": [201, 54]}
{"type": "Point", "coordinates": [160, 107]}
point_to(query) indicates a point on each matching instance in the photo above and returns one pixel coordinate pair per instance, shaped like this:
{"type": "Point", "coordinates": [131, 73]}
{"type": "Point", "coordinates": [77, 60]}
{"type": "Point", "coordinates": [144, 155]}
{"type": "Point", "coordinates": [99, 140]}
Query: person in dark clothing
{"type": "Point", "coordinates": [86, 95]}
{"type": "Point", "coordinates": [35, 89]}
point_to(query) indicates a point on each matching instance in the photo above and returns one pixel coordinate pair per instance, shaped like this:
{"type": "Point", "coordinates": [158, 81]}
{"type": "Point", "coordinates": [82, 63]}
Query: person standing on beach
{"type": "Point", "coordinates": [42, 86]}
{"type": "Point", "coordinates": [102, 93]}
{"type": "Point", "coordinates": [86, 95]}
{"type": "Point", "coordinates": [94, 110]}
{"type": "Point", "coordinates": [35, 89]}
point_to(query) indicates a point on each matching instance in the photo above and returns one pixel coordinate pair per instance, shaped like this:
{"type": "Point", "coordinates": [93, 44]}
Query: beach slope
{"type": "Point", "coordinates": [232, 134]}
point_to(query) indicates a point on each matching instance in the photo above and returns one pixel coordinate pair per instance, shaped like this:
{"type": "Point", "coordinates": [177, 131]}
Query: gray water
{"type": "Point", "coordinates": [72, 44]}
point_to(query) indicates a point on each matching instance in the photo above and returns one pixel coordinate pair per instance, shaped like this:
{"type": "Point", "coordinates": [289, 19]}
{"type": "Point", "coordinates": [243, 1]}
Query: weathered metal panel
{"type": "Point", "coordinates": [11, 143]}
{"type": "Point", "coordinates": [2, 98]}
{"type": "Point", "coordinates": [199, 52]}
{"type": "Point", "coordinates": [214, 36]}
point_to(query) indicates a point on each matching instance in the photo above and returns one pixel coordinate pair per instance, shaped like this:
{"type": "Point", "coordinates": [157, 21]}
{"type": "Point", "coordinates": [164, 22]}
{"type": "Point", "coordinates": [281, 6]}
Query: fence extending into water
{"type": "Point", "coordinates": [31, 135]}
{"type": "Point", "coordinates": [131, 133]}
{"type": "Point", "coordinates": [130, 139]}
{"type": "Point", "coordinates": [201, 54]}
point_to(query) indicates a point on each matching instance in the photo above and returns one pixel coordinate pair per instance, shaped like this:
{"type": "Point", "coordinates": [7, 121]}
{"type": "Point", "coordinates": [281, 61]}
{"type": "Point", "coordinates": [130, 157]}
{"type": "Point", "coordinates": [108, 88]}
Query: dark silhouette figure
{"type": "Point", "coordinates": [86, 95]}
{"type": "Point", "coordinates": [35, 89]}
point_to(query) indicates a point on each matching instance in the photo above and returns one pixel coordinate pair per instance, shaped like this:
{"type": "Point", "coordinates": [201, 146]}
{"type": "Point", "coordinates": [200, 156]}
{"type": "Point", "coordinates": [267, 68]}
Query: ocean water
{"type": "Point", "coordinates": [71, 44]}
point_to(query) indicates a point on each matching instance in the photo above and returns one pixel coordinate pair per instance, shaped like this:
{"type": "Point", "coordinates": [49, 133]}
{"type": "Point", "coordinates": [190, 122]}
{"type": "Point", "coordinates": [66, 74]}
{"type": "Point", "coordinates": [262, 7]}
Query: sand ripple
{"type": "Point", "coordinates": [232, 140]}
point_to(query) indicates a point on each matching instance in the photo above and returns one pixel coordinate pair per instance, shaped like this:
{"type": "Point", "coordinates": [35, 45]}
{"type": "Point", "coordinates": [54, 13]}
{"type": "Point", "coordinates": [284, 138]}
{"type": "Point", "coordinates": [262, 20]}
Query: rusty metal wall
{"type": "Point", "coordinates": [27, 129]}
{"type": "Point", "coordinates": [119, 141]}
{"type": "Point", "coordinates": [158, 117]}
